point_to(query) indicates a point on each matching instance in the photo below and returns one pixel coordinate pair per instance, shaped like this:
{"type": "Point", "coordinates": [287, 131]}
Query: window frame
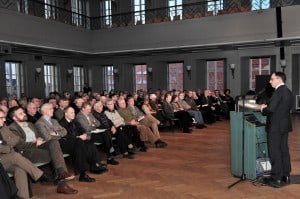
{"type": "Point", "coordinates": [51, 74]}
{"type": "Point", "coordinates": [219, 84]}
{"type": "Point", "coordinates": [18, 88]}
{"type": "Point", "coordinates": [78, 78]}
{"type": "Point", "coordinates": [252, 77]}
{"type": "Point", "coordinates": [108, 77]}
{"type": "Point", "coordinates": [143, 76]}
{"type": "Point", "coordinates": [176, 79]}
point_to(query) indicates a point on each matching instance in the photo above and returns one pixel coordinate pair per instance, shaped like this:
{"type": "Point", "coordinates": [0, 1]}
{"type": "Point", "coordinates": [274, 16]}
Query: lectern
{"type": "Point", "coordinates": [255, 142]}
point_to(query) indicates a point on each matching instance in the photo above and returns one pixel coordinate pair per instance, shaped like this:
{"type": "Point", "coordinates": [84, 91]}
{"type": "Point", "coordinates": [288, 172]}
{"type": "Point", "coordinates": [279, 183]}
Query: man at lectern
{"type": "Point", "coordinates": [278, 126]}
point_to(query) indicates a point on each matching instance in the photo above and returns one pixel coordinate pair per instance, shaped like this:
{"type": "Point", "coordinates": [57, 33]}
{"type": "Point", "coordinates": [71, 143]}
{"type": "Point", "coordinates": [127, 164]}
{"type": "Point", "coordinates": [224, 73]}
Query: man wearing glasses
{"type": "Point", "coordinates": [278, 126]}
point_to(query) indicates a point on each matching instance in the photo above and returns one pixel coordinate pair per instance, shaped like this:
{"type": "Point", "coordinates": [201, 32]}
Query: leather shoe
{"type": "Point", "coordinates": [66, 190]}
{"type": "Point", "coordinates": [286, 179]}
{"type": "Point", "coordinates": [187, 131]}
{"type": "Point", "coordinates": [65, 176]}
{"type": "Point", "coordinates": [86, 178]}
{"type": "Point", "coordinates": [98, 168]}
{"type": "Point", "coordinates": [112, 161]}
{"type": "Point", "coordinates": [46, 179]}
{"type": "Point", "coordinates": [128, 156]}
{"type": "Point", "coordinates": [274, 183]}
{"type": "Point", "coordinates": [143, 149]}
{"type": "Point", "coordinates": [159, 144]}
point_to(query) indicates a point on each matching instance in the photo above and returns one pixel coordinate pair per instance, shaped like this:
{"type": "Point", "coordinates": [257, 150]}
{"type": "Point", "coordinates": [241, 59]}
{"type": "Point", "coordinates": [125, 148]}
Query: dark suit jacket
{"type": "Point", "coordinates": [278, 111]}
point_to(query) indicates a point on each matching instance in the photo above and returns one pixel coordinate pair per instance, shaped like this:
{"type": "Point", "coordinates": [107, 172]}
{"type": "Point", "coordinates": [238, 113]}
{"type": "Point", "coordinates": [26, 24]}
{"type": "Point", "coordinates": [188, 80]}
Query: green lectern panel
{"type": "Point", "coordinates": [255, 142]}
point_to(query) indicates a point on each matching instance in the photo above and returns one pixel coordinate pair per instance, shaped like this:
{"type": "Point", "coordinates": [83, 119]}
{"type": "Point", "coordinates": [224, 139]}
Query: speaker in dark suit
{"type": "Point", "coordinates": [278, 126]}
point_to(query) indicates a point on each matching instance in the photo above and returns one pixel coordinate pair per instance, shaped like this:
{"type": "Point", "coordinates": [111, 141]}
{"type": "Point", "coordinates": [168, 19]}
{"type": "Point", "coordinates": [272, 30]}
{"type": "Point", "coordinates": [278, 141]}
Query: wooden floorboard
{"type": "Point", "coordinates": [193, 166]}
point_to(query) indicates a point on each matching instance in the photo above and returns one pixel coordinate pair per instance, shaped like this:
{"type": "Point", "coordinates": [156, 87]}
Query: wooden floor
{"type": "Point", "coordinates": [195, 166]}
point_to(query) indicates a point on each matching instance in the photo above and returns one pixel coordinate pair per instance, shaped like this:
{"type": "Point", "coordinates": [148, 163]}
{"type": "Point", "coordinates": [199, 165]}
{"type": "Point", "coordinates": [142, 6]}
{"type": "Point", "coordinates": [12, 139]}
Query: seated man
{"type": "Point", "coordinates": [123, 142]}
{"type": "Point", "coordinates": [16, 164]}
{"type": "Point", "coordinates": [181, 115]}
{"type": "Point", "coordinates": [32, 113]}
{"type": "Point", "coordinates": [119, 124]}
{"type": "Point", "coordinates": [190, 106]}
{"type": "Point", "coordinates": [21, 166]}
{"type": "Point", "coordinates": [33, 146]}
{"type": "Point", "coordinates": [147, 120]}
{"type": "Point", "coordinates": [59, 112]}
{"type": "Point", "coordinates": [145, 132]}
{"type": "Point", "coordinates": [76, 144]}
{"type": "Point", "coordinates": [89, 123]}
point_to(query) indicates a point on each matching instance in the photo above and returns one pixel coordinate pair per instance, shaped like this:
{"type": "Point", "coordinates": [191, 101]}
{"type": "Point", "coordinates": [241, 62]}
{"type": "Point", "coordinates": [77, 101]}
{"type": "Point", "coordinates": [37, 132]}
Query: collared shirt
{"type": "Point", "coordinates": [279, 85]}
{"type": "Point", "coordinates": [30, 135]}
{"type": "Point", "coordinates": [115, 118]}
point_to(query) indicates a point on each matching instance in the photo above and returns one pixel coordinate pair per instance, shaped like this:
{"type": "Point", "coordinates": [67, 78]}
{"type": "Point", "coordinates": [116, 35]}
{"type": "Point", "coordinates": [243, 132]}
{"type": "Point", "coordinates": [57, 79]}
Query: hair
{"type": "Point", "coordinates": [108, 100]}
{"type": "Point", "coordinates": [281, 75]}
{"type": "Point", "coordinates": [67, 108]}
{"type": "Point", "coordinates": [12, 111]}
{"type": "Point", "coordinates": [44, 106]}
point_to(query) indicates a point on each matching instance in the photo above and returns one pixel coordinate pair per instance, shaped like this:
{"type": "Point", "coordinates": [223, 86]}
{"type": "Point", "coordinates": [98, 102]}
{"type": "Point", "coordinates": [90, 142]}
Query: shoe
{"type": "Point", "coordinates": [131, 151]}
{"type": "Point", "coordinates": [65, 176]}
{"type": "Point", "coordinates": [112, 161]}
{"type": "Point", "coordinates": [46, 179]}
{"type": "Point", "coordinates": [199, 126]}
{"type": "Point", "coordinates": [128, 156]}
{"type": "Point", "coordinates": [86, 178]}
{"type": "Point", "coordinates": [159, 144]}
{"type": "Point", "coordinates": [286, 179]}
{"type": "Point", "coordinates": [275, 183]}
{"type": "Point", "coordinates": [143, 149]}
{"type": "Point", "coordinates": [98, 168]}
{"type": "Point", "coordinates": [65, 189]}
{"type": "Point", "coordinates": [187, 131]}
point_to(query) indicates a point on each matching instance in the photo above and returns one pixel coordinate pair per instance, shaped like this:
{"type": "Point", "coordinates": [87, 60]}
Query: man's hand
{"type": "Point", "coordinates": [39, 141]}
{"type": "Point", "coordinates": [263, 106]}
{"type": "Point", "coordinates": [83, 136]}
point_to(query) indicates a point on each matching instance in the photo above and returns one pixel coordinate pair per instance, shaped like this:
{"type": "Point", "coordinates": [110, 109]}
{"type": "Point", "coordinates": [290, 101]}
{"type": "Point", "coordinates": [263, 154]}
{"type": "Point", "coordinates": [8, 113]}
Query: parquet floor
{"type": "Point", "coordinates": [193, 166]}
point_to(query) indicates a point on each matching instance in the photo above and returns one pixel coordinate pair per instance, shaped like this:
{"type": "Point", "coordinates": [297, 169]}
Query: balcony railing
{"type": "Point", "coordinates": [157, 15]}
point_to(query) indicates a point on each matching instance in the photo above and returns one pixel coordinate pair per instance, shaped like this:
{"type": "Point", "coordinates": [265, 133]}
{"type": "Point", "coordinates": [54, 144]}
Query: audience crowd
{"type": "Point", "coordinates": [34, 130]}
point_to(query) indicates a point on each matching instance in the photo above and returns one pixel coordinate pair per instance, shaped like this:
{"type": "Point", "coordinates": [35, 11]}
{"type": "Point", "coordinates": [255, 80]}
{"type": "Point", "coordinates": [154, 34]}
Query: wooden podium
{"type": "Point", "coordinates": [255, 142]}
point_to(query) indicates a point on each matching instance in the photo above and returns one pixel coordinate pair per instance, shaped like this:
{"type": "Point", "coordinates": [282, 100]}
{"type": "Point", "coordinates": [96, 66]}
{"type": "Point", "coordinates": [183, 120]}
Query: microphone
{"type": "Point", "coordinates": [259, 93]}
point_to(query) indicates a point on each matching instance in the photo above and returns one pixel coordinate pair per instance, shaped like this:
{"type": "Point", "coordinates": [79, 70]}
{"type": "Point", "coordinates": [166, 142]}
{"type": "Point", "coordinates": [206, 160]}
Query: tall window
{"type": "Point", "coordinates": [14, 78]}
{"type": "Point", "coordinates": [258, 66]}
{"type": "Point", "coordinates": [175, 8]}
{"type": "Point", "coordinates": [260, 4]}
{"type": "Point", "coordinates": [51, 79]}
{"type": "Point", "coordinates": [140, 77]}
{"type": "Point", "coordinates": [175, 72]}
{"type": "Point", "coordinates": [78, 78]}
{"type": "Point", "coordinates": [77, 7]}
{"type": "Point", "coordinates": [139, 11]}
{"type": "Point", "coordinates": [215, 75]}
{"type": "Point", "coordinates": [106, 12]}
{"type": "Point", "coordinates": [214, 6]}
{"type": "Point", "coordinates": [108, 78]}
{"type": "Point", "coordinates": [50, 10]}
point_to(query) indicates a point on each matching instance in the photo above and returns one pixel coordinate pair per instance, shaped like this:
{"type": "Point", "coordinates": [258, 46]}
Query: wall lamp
{"type": "Point", "coordinates": [149, 69]}
{"type": "Point", "coordinates": [189, 70]}
{"type": "Point", "coordinates": [37, 73]}
{"type": "Point", "coordinates": [116, 73]}
{"type": "Point", "coordinates": [232, 68]}
{"type": "Point", "coordinates": [283, 64]}
{"type": "Point", "coordinates": [69, 73]}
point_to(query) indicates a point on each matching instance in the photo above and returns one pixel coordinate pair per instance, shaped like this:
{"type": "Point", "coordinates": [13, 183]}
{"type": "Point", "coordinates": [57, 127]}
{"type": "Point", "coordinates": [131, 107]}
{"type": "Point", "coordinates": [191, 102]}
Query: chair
{"type": "Point", "coordinates": [173, 122]}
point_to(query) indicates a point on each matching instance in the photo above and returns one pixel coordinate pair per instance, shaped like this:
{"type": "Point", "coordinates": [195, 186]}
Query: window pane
{"type": "Point", "coordinates": [175, 71]}
{"type": "Point", "coordinates": [14, 79]}
{"type": "Point", "coordinates": [140, 77]}
{"type": "Point", "coordinates": [108, 77]}
{"type": "Point", "coordinates": [215, 75]}
{"type": "Point", "coordinates": [258, 66]}
{"type": "Point", "coordinates": [50, 78]}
